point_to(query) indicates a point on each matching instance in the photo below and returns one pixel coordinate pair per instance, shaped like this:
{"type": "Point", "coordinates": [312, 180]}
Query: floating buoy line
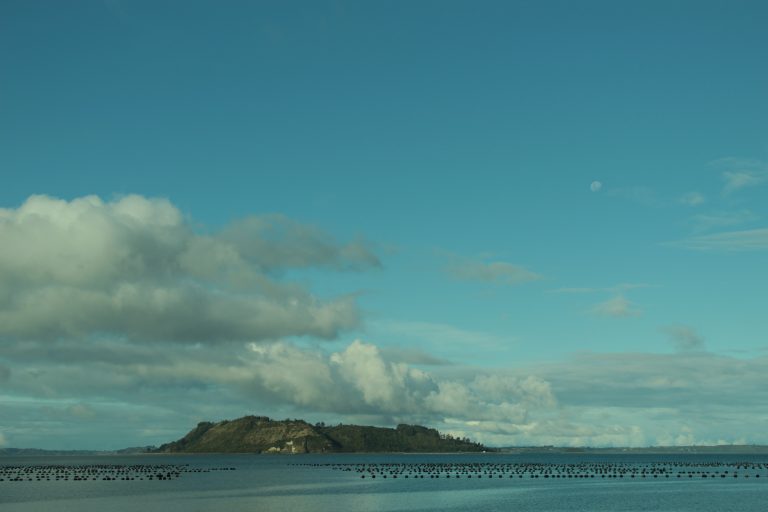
{"type": "Point", "coordinates": [671, 471]}
{"type": "Point", "coordinates": [553, 471]}
{"type": "Point", "coordinates": [101, 472]}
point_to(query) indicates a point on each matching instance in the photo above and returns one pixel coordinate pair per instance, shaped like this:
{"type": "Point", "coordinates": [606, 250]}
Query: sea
{"type": "Point", "coordinates": [392, 482]}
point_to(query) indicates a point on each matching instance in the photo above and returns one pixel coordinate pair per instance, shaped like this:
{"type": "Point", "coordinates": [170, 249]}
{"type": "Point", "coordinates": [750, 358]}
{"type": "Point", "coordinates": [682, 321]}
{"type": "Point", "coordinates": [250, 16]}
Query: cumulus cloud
{"type": "Point", "coordinates": [377, 382]}
{"type": "Point", "coordinates": [617, 307]}
{"type": "Point", "coordinates": [683, 337]}
{"type": "Point", "coordinates": [135, 268]}
{"type": "Point", "coordinates": [616, 399]}
{"type": "Point", "coordinates": [499, 272]}
{"type": "Point", "coordinates": [360, 380]}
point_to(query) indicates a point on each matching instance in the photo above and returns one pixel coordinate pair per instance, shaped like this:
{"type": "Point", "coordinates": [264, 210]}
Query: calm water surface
{"type": "Point", "coordinates": [333, 483]}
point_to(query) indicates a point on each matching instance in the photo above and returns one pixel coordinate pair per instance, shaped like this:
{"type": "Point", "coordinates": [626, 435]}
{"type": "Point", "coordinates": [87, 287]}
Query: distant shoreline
{"type": "Point", "coordinates": [657, 450]}
{"type": "Point", "coordinates": [507, 450]}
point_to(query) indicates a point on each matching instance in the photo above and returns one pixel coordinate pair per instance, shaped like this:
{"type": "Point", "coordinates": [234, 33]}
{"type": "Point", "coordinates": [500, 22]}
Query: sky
{"type": "Point", "coordinates": [525, 222]}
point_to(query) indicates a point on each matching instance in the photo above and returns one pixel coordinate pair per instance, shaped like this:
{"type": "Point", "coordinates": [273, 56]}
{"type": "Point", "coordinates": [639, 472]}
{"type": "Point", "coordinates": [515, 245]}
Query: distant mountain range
{"type": "Point", "coordinates": [259, 434]}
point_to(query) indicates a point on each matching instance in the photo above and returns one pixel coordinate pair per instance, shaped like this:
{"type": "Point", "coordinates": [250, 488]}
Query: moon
{"type": "Point", "coordinates": [595, 186]}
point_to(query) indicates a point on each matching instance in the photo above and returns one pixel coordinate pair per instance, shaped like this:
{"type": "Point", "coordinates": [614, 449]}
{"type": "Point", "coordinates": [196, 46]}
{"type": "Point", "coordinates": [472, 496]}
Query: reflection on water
{"type": "Point", "coordinates": [334, 483]}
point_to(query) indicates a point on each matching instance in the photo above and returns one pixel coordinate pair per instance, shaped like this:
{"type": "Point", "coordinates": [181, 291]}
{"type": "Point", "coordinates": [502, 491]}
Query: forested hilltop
{"type": "Point", "coordinates": [259, 434]}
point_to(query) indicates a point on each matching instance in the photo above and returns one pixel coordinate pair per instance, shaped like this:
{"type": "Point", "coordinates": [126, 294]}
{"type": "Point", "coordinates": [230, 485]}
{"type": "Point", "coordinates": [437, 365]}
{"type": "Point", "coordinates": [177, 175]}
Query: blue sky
{"type": "Point", "coordinates": [525, 222]}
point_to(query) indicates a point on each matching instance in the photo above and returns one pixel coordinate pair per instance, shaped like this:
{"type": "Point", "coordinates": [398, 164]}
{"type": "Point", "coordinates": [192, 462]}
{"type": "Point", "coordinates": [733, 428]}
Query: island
{"type": "Point", "coordinates": [260, 434]}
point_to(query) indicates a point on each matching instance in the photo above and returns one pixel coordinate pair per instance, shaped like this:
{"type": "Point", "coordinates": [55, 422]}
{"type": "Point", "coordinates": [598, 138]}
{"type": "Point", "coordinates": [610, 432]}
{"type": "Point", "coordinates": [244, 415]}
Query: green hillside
{"type": "Point", "coordinates": [259, 434]}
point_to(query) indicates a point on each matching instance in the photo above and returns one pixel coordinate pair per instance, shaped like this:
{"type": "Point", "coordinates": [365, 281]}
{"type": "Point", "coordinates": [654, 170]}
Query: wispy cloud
{"type": "Point", "coordinates": [714, 220]}
{"type": "Point", "coordinates": [496, 272]}
{"type": "Point", "coordinates": [741, 173]}
{"type": "Point", "coordinates": [621, 287]}
{"type": "Point", "coordinates": [442, 335]}
{"type": "Point", "coordinates": [576, 290]}
{"type": "Point", "coordinates": [737, 180]}
{"type": "Point", "coordinates": [640, 194]}
{"type": "Point", "coordinates": [662, 393]}
{"type": "Point", "coordinates": [413, 356]}
{"type": "Point", "coordinates": [693, 199]}
{"type": "Point", "coordinates": [81, 410]}
{"type": "Point", "coordinates": [684, 337]}
{"type": "Point", "coordinates": [731, 241]}
{"type": "Point", "coordinates": [617, 307]}
{"type": "Point", "coordinates": [734, 161]}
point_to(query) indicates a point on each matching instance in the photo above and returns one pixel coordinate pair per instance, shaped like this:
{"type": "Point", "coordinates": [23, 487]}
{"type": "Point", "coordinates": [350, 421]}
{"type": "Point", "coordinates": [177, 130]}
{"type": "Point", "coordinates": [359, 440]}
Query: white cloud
{"type": "Point", "coordinates": [356, 381]}
{"type": "Point", "coordinates": [3, 440]}
{"type": "Point", "coordinates": [693, 199]}
{"type": "Point", "coordinates": [301, 377]}
{"type": "Point", "coordinates": [135, 268]}
{"type": "Point", "coordinates": [595, 186]}
{"type": "Point", "coordinates": [729, 241]}
{"type": "Point", "coordinates": [615, 399]}
{"type": "Point", "coordinates": [362, 366]}
{"type": "Point", "coordinates": [528, 390]}
{"type": "Point", "coordinates": [452, 399]}
{"type": "Point", "coordinates": [617, 307]}
{"type": "Point", "coordinates": [498, 272]}
{"type": "Point", "coordinates": [359, 379]}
